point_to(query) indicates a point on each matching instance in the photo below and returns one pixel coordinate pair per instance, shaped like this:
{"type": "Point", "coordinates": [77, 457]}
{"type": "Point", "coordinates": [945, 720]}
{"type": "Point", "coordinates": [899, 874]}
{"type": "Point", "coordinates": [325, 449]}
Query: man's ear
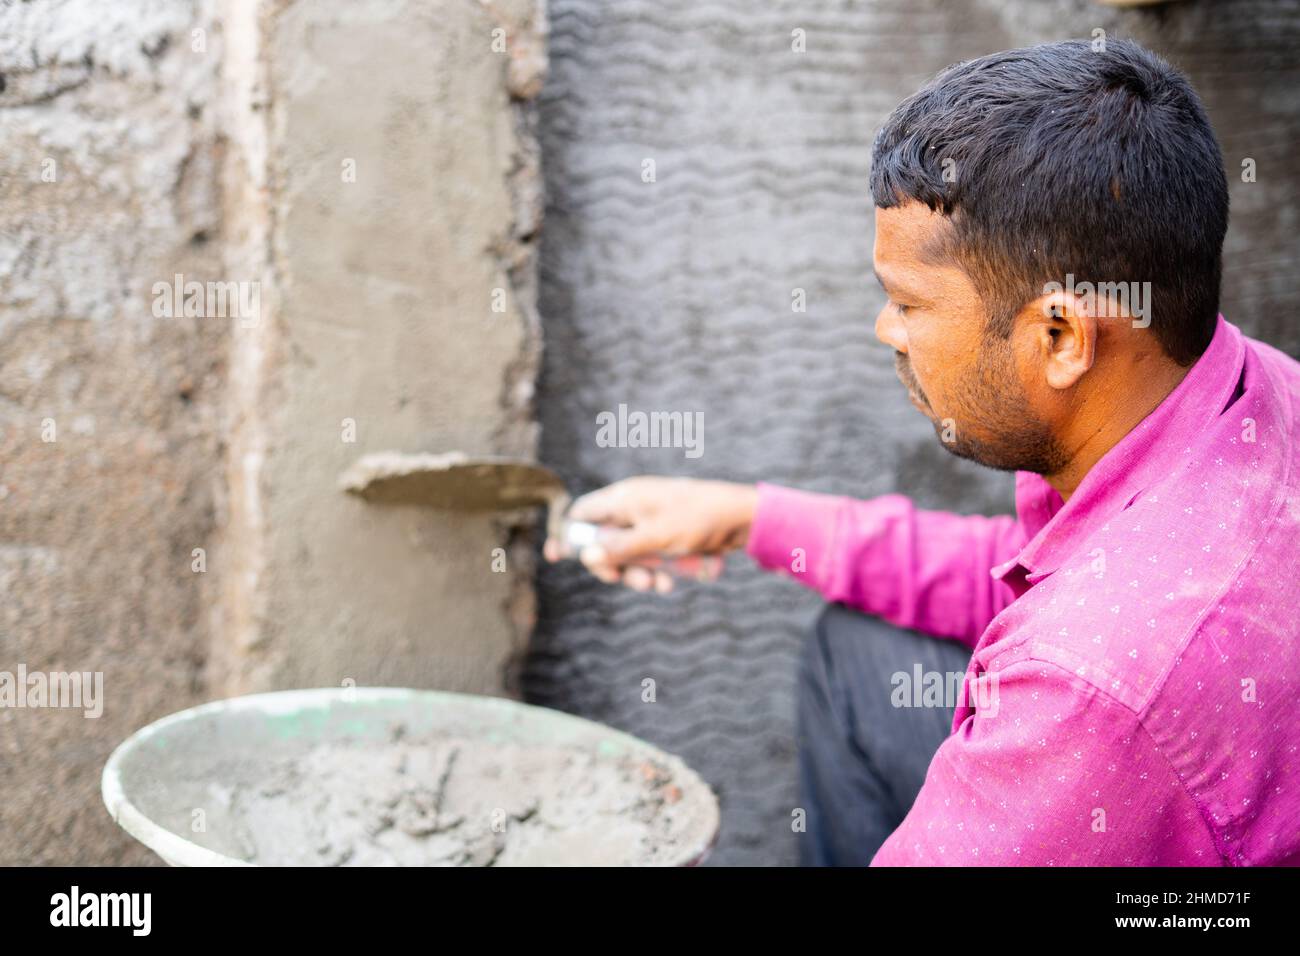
{"type": "Point", "coordinates": [1059, 331]}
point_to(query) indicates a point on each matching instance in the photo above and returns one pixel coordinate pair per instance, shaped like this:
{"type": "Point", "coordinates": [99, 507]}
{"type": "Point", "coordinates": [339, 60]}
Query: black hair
{"type": "Point", "coordinates": [1063, 159]}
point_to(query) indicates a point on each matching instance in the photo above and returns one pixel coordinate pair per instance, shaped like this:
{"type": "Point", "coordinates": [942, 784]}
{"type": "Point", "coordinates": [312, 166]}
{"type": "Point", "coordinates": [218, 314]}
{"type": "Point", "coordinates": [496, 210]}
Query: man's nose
{"type": "Point", "coordinates": [890, 329]}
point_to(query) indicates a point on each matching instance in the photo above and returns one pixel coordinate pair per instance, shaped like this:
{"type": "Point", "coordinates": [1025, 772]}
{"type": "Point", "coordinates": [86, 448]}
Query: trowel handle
{"type": "Point", "coordinates": [694, 567]}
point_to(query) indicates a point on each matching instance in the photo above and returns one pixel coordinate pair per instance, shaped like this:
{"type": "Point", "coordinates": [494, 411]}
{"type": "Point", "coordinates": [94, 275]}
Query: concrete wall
{"type": "Point", "coordinates": [676, 296]}
{"type": "Point", "coordinates": [402, 193]}
{"type": "Point", "coordinates": [209, 139]}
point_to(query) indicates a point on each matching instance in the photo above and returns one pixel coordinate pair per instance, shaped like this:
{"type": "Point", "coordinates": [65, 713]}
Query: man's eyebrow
{"type": "Point", "coordinates": [890, 287]}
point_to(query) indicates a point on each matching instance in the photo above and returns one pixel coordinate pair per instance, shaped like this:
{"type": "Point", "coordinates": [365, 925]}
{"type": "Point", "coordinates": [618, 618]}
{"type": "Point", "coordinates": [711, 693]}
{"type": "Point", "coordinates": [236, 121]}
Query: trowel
{"type": "Point", "coordinates": [458, 482]}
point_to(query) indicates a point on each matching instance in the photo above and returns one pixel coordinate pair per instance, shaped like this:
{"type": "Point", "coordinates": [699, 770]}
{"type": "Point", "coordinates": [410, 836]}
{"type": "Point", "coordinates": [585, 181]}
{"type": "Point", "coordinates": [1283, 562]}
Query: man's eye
{"type": "Point", "coordinates": [902, 309]}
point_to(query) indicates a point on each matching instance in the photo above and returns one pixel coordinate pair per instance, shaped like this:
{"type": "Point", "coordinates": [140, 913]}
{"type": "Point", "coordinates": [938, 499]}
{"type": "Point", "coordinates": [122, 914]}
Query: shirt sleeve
{"type": "Point", "coordinates": [924, 570]}
{"type": "Point", "coordinates": [1050, 771]}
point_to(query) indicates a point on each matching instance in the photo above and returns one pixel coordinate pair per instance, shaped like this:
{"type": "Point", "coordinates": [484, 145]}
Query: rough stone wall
{"type": "Point", "coordinates": [676, 296]}
{"type": "Point", "coordinates": [108, 183]}
{"type": "Point", "coordinates": [225, 164]}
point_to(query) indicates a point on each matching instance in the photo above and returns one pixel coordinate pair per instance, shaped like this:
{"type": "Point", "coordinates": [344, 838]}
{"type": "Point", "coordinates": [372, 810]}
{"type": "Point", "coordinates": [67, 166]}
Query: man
{"type": "Point", "coordinates": [1049, 225]}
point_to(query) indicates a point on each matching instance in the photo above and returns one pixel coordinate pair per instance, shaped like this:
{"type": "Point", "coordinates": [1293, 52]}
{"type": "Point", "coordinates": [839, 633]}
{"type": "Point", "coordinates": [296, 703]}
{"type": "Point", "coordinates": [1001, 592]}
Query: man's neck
{"type": "Point", "coordinates": [1114, 409]}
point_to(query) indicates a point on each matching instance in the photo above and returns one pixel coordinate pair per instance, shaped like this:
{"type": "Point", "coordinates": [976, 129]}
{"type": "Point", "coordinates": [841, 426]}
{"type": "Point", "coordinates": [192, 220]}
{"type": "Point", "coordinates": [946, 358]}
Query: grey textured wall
{"type": "Point", "coordinates": [676, 296]}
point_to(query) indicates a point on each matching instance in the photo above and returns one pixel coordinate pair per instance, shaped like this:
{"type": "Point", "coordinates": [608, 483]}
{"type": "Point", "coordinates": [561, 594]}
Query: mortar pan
{"type": "Point", "coordinates": [156, 779]}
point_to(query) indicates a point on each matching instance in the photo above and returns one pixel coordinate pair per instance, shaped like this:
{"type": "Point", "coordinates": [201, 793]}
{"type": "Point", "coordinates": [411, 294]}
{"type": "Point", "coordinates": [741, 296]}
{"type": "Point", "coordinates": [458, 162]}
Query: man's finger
{"type": "Point", "coordinates": [638, 578]}
{"type": "Point", "coordinates": [595, 560]}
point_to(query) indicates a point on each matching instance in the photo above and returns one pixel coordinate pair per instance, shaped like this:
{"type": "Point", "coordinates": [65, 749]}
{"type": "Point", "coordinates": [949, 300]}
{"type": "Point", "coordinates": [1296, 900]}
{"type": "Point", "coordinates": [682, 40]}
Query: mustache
{"type": "Point", "coordinates": [904, 370]}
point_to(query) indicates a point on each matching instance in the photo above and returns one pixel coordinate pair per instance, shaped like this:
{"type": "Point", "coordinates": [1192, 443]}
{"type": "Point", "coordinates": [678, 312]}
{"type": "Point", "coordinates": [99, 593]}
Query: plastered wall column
{"type": "Point", "coordinates": [402, 196]}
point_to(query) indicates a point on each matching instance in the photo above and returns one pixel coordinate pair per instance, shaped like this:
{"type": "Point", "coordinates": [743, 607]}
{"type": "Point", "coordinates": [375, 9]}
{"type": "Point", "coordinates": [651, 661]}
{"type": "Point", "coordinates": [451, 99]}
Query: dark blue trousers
{"type": "Point", "coordinates": [862, 758]}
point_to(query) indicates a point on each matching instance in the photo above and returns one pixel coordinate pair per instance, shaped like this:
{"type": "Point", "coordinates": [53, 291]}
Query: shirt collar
{"type": "Point", "coordinates": [1142, 457]}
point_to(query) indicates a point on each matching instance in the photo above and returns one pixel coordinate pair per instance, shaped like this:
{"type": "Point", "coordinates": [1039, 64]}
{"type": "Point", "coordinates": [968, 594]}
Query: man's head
{"type": "Point", "coordinates": [1049, 229]}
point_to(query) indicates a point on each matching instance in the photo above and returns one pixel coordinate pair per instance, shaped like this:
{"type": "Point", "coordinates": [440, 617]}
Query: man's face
{"type": "Point", "coordinates": [970, 386]}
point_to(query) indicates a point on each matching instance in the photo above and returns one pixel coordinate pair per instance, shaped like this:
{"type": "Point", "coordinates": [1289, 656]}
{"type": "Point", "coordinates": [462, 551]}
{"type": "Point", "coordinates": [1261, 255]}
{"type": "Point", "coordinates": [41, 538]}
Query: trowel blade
{"type": "Point", "coordinates": [454, 481]}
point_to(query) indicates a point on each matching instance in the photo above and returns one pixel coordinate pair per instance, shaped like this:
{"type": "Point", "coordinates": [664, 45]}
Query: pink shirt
{"type": "Point", "coordinates": [1136, 668]}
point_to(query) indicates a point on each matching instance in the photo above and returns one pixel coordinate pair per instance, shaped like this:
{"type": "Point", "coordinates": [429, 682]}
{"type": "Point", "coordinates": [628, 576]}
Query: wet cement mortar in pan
{"type": "Point", "coordinates": [443, 800]}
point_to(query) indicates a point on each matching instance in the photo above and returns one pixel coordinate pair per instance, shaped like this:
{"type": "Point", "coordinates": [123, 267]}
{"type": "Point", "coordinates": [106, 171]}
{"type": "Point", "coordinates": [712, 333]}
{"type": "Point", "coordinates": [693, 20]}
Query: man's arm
{"type": "Point", "coordinates": [1057, 774]}
{"type": "Point", "coordinates": [923, 570]}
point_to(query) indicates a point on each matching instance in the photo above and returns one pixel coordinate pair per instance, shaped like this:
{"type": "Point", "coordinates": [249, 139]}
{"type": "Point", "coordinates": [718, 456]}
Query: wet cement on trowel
{"type": "Point", "coordinates": [452, 480]}
{"type": "Point", "coordinates": [442, 800]}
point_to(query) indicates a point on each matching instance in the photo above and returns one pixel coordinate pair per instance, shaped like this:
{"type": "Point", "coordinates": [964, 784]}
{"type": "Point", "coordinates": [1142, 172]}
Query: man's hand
{"type": "Point", "coordinates": [649, 518]}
